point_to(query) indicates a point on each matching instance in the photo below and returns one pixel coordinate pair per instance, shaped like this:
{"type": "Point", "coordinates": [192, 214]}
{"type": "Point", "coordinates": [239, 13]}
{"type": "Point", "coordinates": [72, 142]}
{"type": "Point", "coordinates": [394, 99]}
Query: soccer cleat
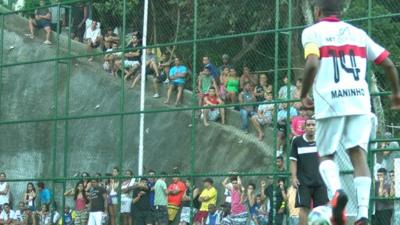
{"type": "Point", "coordinates": [339, 202]}
{"type": "Point", "coordinates": [362, 221]}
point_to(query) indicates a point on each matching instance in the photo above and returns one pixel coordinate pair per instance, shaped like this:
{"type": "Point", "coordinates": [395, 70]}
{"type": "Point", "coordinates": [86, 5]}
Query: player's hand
{"type": "Point", "coordinates": [295, 182]}
{"type": "Point", "coordinates": [307, 102]}
{"type": "Point", "coordinates": [396, 102]}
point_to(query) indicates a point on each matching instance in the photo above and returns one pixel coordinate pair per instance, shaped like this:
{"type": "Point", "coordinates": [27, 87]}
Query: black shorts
{"type": "Point", "coordinates": [311, 197]}
{"type": "Point", "coordinates": [161, 214]}
{"type": "Point", "coordinates": [142, 217]}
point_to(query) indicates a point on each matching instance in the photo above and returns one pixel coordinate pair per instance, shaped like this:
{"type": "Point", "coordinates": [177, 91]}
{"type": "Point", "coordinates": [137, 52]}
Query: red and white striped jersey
{"type": "Point", "coordinates": [340, 87]}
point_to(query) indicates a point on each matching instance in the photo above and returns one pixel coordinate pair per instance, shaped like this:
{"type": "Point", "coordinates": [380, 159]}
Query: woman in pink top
{"type": "Point", "coordinates": [81, 201]}
{"type": "Point", "coordinates": [238, 208]}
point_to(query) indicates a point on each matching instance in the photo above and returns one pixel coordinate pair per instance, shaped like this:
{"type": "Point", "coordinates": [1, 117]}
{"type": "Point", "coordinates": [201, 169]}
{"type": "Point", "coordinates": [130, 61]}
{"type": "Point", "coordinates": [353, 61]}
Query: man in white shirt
{"type": "Point", "coordinates": [7, 216]}
{"type": "Point", "coordinates": [93, 37]}
{"type": "Point", "coordinates": [336, 56]}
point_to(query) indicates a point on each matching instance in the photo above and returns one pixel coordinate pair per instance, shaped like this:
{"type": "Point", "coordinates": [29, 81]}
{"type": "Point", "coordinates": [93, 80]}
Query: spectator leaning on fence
{"type": "Point", "coordinates": [41, 20]}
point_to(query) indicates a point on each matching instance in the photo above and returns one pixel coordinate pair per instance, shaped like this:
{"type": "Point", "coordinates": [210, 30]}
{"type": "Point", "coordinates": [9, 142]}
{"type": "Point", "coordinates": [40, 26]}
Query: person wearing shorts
{"type": "Point", "coordinates": [207, 197]}
{"type": "Point", "coordinates": [42, 20]}
{"type": "Point", "coordinates": [213, 114]}
{"type": "Point", "coordinates": [263, 116]}
{"type": "Point", "coordinates": [141, 204]}
{"type": "Point", "coordinates": [98, 203]}
{"type": "Point", "coordinates": [93, 37]}
{"type": "Point", "coordinates": [160, 200]}
{"type": "Point", "coordinates": [305, 176]}
{"type": "Point", "coordinates": [177, 77]}
{"type": "Point", "coordinates": [336, 56]}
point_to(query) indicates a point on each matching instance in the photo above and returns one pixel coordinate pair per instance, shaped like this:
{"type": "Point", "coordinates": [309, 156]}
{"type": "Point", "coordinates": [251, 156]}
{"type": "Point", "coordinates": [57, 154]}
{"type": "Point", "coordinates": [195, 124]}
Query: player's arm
{"type": "Point", "coordinates": [391, 72]}
{"type": "Point", "coordinates": [310, 71]}
{"type": "Point", "coordinates": [293, 165]}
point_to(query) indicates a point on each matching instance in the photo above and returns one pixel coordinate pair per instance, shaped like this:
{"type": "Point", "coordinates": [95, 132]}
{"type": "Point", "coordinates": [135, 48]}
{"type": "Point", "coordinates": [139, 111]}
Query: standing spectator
{"type": "Point", "coordinates": [261, 88]}
{"type": "Point", "coordinates": [247, 77]}
{"type": "Point", "coordinates": [211, 99]}
{"type": "Point", "coordinates": [126, 197]}
{"type": "Point", "coordinates": [57, 16]}
{"type": "Point", "coordinates": [44, 215]}
{"type": "Point", "coordinates": [177, 77]}
{"type": "Point", "coordinates": [207, 197]}
{"type": "Point", "coordinates": [30, 196]}
{"type": "Point", "coordinates": [293, 211]}
{"type": "Point", "coordinates": [176, 190]}
{"type": "Point", "coordinates": [93, 37]}
{"type": "Point", "coordinates": [44, 194]}
{"type": "Point", "coordinates": [113, 194]}
{"type": "Point", "coordinates": [151, 182]}
{"type": "Point", "coordinates": [160, 200]}
{"type": "Point", "coordinates": [211, 67]}
{"type": "Point", "coordinates": [261, 210]}
{"type": "Point", "coordinates": [98, 203]}
{"type": "Point", "coordinates": [297, 125]}
{"type": "Point", "coordinates": [287, 86]}
{"type": "Point", "coordinates": [7, 216]}
{"type": "Point", "coordinates": [283, 118]}
{"type": "Point", "coordinates": [151, 65]}
{"type": "Point", "coordinates": [205, 82]}
{"type": "Point", "coordinates": [246, 96]}
{"type": "Point", "coordinates": [225, 63]}
{"type": "Point", "coordinates": [311, 190]}
{"type": "Point", "coordinates": [389, 156]}
{"type": "Point", "coordinates": [238, 209]}
{"type": "Point", "coordinates": [276, 201]}
{"type": "Point", "coordinates": [383, 208]}
{"type": "Point", "coordinates": [297, 93]}
{"type": "Point", "coordinates": [190, 203]}
{"type": "Point", "coordinates": [110, 38]}
{"type": "Point", "coordinates": [79, 14]}
{"type": "Point", "coordinates": [264, 115]}
{"type": "Point", "coordinates": [141, 204]}
{"type": "Point", "coordinates": [42, 20]}
{"type": "Point", "coordinates": [81, 201]}
{"type": "Point", "coordinates": [20, 213]}
{"type": "Point", "coordinates": [232, 86]}
{"type": "Point", "coordinates": [4, 190]}
{"type": "Point", "coordinates": [213, 217]}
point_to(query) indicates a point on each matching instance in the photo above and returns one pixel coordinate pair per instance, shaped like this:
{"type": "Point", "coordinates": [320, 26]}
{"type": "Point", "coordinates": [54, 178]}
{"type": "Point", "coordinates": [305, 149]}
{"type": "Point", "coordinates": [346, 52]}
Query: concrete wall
{"type": "Point", "coordinates": [93, 145]}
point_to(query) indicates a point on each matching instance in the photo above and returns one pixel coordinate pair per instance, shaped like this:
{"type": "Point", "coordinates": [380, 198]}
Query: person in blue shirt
{"type": "Point", "coordinates": [177, 77]}
{"type": "Point", "coordinates": [44, 194]}
{"type": "Point", "coordinates": [211, 67]}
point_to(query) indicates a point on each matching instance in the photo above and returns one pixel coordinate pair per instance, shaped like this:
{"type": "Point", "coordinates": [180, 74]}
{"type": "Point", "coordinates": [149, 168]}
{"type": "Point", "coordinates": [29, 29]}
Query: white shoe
{"type": "Point", "coordinates": [156, 95]}
{"type": "Point", "coordinates": [47, 42]}
{"type": "Point", "coordinates": [166, 81]}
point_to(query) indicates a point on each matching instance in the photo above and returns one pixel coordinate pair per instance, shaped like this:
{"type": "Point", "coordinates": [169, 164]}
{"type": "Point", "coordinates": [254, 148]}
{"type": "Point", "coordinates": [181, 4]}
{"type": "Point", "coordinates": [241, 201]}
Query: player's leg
{"type": "Point", "coordinates": [358, 155]}
{"type": "Point", "coordinates": [303, 201]}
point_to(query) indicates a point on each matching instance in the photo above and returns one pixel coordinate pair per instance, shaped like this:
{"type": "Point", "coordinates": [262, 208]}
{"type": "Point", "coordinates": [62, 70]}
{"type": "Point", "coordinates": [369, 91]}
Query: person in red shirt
{"type": "Point", "coordinates": [176, 190]}
{"type": "Point", "coordinates": [212, 99]}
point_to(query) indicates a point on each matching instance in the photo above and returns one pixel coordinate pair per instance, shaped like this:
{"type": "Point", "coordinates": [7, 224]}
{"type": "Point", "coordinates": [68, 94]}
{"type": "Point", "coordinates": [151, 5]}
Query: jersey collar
{"type": "Point", "coordinates": [332, 18]}
{"type": "Point", "coordinates": [305, 138]}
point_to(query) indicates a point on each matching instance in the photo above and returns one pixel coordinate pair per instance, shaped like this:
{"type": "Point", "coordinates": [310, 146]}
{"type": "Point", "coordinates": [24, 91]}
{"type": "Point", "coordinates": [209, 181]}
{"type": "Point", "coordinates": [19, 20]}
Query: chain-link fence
{"type": "Point", "coordinates": [71, 102]}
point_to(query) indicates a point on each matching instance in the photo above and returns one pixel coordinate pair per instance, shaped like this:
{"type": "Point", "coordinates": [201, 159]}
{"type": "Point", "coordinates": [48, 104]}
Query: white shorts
{"type": "Point", "coordinates": [339, 133]}
{"type": "Point", "coordinates": [213, 115]}
{"type": "Point", "coordinates": [126, 202]}
{"type": "Point", "coordinates": [129, 63]}
{"type": "Point", "coordinates": [95, 218]}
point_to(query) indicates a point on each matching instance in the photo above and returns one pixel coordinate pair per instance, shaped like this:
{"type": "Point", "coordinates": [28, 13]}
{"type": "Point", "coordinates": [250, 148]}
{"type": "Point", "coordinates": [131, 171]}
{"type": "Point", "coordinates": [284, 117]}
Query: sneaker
{"type": "Point", "coordinates": [362, 221]}
{"type": "Point", "coordinates": [47, 42]}
{"type": "Point", "coordinates": [156, 95]}
{"type": "Point", "coordinates": [31, 36]}
{"type": "Point", "coordinates": [339, 203]}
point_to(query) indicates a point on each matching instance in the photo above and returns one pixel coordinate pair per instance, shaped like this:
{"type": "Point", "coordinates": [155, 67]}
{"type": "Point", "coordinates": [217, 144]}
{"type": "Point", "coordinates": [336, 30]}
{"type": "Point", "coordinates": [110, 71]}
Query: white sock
{"type": "Point", "coordinates": [363, 188]}
{"type": "Point", "coordinates": [330, 174]}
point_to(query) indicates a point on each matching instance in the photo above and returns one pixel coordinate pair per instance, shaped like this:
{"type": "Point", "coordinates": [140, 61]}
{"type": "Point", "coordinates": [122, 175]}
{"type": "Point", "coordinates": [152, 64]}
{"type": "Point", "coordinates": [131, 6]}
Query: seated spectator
{"type": "Point", "coordinates": [20, 213]}
{"type": "Point", "coordinates": [44, 216]}
{"type": "Point", "coordinates": [93, 37]}
{"type": "Point", "coordinates": [283, 91]}
{"type": "Point", "coordinates": [79, 14]}
{"type": "Point", "coordinates": [246, 96]}
{"type": "Point", "coordinates": [211, 67]}
{"type": "Point", "coordinates": [110, 38]}
{"type": "Point", "coordinates": [204, 83]}
{"type": "Point", "coordinates": [297, 92]}
{"type": "Point", "coordinates": [298, 123]}
{"type": "Point", "coordinates": [110, 58]}
{"type": "Point", "coordinates": [283, 118]}
{"type": "Point", "coordinates": [42, 20]}
{"type": "Point", "coordinates": [132, 58]}
{"type": "Point", "coordinates": [261, 88]}
{"type": "Point", "coordinates": [151, 65]}
{"type": "Point", "coordinates": [247, 77]}
{"type": "Point", "coordinates": [44, 194]}
{"type": "Point", "coordinates": [232, 86]}
{"type": "Point", "coordinates": [177, 77]}
{"type": "Point", "coordinates": [211, 99]}
{"type": "Point", "coordinates": [7, 216]}
{"type": "Point", "coordinates": [214, 216]}
{"type": "Point", "coordinates": [383, 208]}
{"type": "Point", "coordinates": [264, 115]}
{"type": "Point", "coordinates": [207, 197]}
{"type": "Point", "coordinates": [57, 16]}
{"type": "Point", "coordinates": [163, 67]}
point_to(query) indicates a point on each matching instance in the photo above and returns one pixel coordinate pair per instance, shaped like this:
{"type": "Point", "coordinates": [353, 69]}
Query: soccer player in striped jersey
{"type": "Point", "coordinates": [336, 56]}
